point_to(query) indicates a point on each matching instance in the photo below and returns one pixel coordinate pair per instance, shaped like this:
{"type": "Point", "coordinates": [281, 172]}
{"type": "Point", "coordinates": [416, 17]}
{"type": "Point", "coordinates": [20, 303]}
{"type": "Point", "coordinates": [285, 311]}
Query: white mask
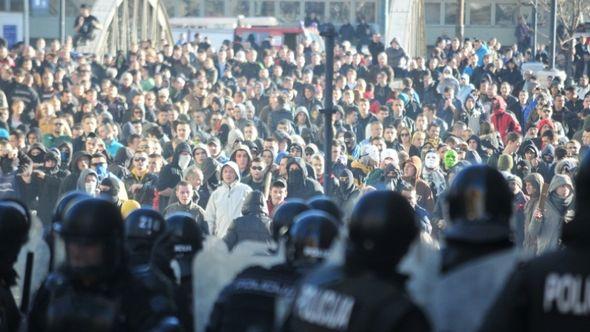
{"type": "Point", "coordinates": [90, 188]}
{"type": "Point", "coordinates": [183, 161]}
{"type": "Point", "coordinates": [431, 161]}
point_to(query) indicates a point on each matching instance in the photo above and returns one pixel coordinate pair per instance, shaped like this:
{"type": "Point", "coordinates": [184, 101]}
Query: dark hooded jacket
{"type": "Point", "coordinates": [121, 162]}
{"type": "Point", "coordinates": [347, 193]}
{"type": "Point", "coordinates": [211, 169]}
{"type": "Point", "coordinates": [66, 152]}
{"type": "Point", "coordinates": [253, 225]}
{"type": "Point", "coordinates": [299, 185]}
{"type": "Point", "coordinates": [49, 186]}
{"type": "Point", "coordinates": [171, 174]}
{"type": "Point", "coordinates": [69, 182]}
{"type": "Point", "coordinates": [547, 164]}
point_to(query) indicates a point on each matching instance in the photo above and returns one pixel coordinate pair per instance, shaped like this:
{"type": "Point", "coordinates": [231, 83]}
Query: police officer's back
{"type": "Point", "coordinates": [552, 292]}
{"type": "Point", "coordinates": [365, 294]}
{"type": "Point", "coordinates": [143, 227]}
{"type": "Point", "coordinates": [14, 229]}
{"type": "Point", "coordinates": [249, 302]}
{"type": "Point", "coordinates": [93, 289]}
{"type": "Point", "coordinates": [478, 254]}
{"type": "Point", "coordinates": [173, 254]}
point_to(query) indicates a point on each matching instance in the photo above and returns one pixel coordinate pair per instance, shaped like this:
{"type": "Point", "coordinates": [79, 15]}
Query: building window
{"type": "Point", "coordinates": [318, 8]}
{"type": "Point", "coordinates": [265, 8]}
{"type": "Point", "coordinates": [241, 7]}
{"type": "Point", "coordinates": [289, 11]}
{"type": "Point", "coordinates": [432, 13]}
{"type": "Point", "coordinates": [365, 10]}
{"type": "Point", "coordinates": [451, 12]}
{"type": "Point", "coordinates": [340, 12]}
{"type": "Point", "coordinates": [506, 14]}
{"type": "Point", "coordinates": [214, 8]}
{"type": "Point", "coordinates": [480, 14]}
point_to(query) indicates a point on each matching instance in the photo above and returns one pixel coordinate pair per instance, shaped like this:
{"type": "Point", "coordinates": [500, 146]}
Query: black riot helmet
{"type": "Point", "coordinates": [185, 239]}
{"type": "Point", "coordinates": [92, 232]}
{"type": "Point", "coordinates": [382, 227]}
{"type": "Point", "coordinates": [577, 231]}
{"type": "Point", "coordinates": [15, 222]}
{"type": "Point", "coordinates": [310, 238]}
{"type": "Point", "coordinates": [284, 216]}
{"type": "Point", "coordinates": [478, 206]}
{"type": "Point", "coordinates": [326, 204]}
{"type": "Point", "coordinates": [66, 202]}
{"type": "Point", "coordinates": [142, 229]}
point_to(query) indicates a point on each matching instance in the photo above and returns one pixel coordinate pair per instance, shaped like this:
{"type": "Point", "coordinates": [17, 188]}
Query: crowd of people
{"type": "Point", "coordinates": [229, 136]}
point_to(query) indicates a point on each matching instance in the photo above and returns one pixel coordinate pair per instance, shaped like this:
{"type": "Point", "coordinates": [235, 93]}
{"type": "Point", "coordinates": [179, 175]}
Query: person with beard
{"type": "Point", "coordinates": [353, 150]}
{"type": "Point", "coordinates": [80, 162]}
{"type": "Point", "coordinates": [412, 169]}
{"type": "Point", "coordinates": [347, 194]}
{"type": "Point", "coordinates": [299, 185]}
{"type": "Point", "coordinates": [49, 179]}
{"type": "Point", "coordinates": [171, 174]}
{"type": "Point", "coordinates": [259, 177]}
{"type": "Point", "coordinates": [14, 230]}
{"type": "Point", "coordinates": [546, 225]}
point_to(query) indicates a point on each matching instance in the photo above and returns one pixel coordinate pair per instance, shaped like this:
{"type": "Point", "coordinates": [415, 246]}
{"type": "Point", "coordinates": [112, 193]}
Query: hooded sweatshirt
{"type": "Point", "coordinates": [171, 174]}
{"type": "Point", "coordinates": [299, 185]}
{"type": "Point", "coordinates": [530, 241]}
{"type": "Point", "coordinates": [70, 181]}
{"type": "Point", "coordinates": [425, 196]}
{"type": "Point", "coordinates": [81, 185]}
{"type": "Point", "coordinates": [557, 210]}
{"type": "Point", "coordinates": [254, 225]}
{"type": "Point", "coordinates": [225, 203]}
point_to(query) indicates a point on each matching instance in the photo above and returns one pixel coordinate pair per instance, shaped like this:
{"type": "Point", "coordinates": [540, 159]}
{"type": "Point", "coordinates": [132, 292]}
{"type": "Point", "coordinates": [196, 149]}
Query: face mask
{"type": "Point", "coordinates": [101, 170]}
{"type": "Point", "coordinates": [90, 188]}
{"type": "Point", "coordinates": [183, 161]}
{"type": "Point", "coordinates": [431, 160]}
{"type": "Point", "coordinates": [450, 159]}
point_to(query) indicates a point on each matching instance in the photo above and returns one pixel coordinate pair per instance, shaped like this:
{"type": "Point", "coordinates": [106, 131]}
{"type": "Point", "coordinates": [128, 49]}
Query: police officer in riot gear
{"type": "Point", "coordinates": [366, 293]}
{"type": "Point", "coordinates": [173, 254]}
{"type": "Point", "coordinates": [248, 303]}
{"type": "Point", "coordinates": [285, 215]}
{"type": "Point", "coordinates": [62, 206]}
{"type": "Point", "coordinates": [14, 230]}
{"type": "Point", "coordinates": [93, 289]}
{"type": "Point", "coordinates": [552, 292]}
{"type": "Point", "coordinates": [478, 253]}
{"type": "Point", "coordinates": [326, 204]}
{"type": "Point", "coordinates": [143, 227]}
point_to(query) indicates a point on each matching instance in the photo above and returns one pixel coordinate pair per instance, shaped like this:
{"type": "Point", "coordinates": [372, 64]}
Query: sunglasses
{"type": "Point", "coordinates": [257, 168]}
{"type": "Point", "coordinates": [404, 134]}
{"type": "Point", "coordinates": [140, 159]}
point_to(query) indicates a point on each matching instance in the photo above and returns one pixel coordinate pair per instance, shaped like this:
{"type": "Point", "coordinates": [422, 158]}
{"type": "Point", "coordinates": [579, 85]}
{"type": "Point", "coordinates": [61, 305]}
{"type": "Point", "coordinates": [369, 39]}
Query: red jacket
{"type": "Point", "coordinates": [502, 121]}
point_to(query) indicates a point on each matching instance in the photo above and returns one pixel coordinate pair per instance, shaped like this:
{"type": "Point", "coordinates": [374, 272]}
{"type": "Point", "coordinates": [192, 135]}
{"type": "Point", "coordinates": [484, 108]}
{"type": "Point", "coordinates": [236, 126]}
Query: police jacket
{"type": "Point", "coordinates": [248, 303]}
{"type": "Point", "coordinates": [332, 299]}
{"type": "Point", "coordinates": [123, 303]}
{"type": "Point", "coordinates": [549, 293]}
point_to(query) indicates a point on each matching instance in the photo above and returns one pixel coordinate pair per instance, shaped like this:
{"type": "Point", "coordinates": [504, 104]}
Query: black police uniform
{"type": "Point", "coordinates": [364, 294]}
{"type": "Point", "coordinates": [332, 299]}
{"type": "Point", "coordinates": [14, 228]}
{"type": "Point", "coordinates": [249, 302]}
{"type": "Point", "coordinates": [103, 296]}
{"type": "Point", "coordinates": [552, 292]}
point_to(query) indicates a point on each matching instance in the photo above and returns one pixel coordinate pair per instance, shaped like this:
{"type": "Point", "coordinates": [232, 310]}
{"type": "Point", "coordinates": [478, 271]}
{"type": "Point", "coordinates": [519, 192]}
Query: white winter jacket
{"type": "Point", "coordinates": [225, 204]}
